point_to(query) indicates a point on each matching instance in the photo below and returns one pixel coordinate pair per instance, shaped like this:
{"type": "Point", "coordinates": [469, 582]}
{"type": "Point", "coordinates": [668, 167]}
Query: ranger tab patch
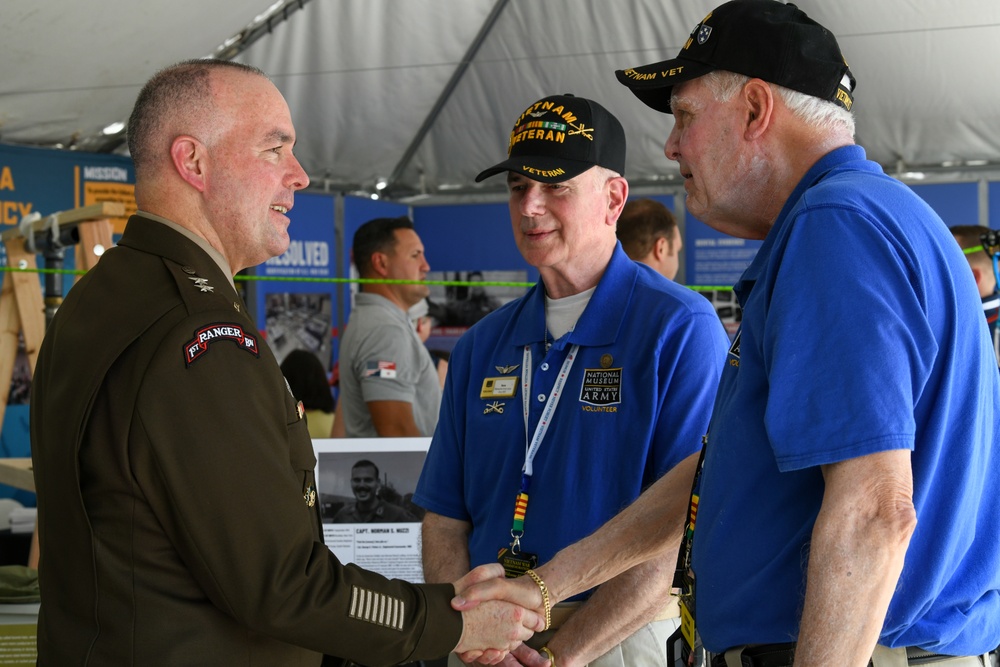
{"type": "Point", "coordinates": [205, 336]}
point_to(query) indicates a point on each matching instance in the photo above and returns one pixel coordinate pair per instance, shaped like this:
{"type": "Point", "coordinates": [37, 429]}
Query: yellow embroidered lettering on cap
{"type": "Point", "coordinates": [845, 99]}
{"type": "Point", "coordinates": [560, 137]}
{"type": "Point", "coordinates": [545, 173]}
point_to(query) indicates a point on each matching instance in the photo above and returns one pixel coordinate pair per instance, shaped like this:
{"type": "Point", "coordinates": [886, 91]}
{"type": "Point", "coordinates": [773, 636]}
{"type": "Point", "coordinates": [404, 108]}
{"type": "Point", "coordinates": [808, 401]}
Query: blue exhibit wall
{"type": "Point", "coordinates": [956, 203]}
{"type": "Point", "coordinates": [457, 237]}
{"type": "Point", "coordinates": [45, 181]}
{"type": "Point", "coordinates": [466, 236]}
{"type": "Point", "coordinates": [294, 307]}
{"type": "Point", "coordinates": [993, 207]}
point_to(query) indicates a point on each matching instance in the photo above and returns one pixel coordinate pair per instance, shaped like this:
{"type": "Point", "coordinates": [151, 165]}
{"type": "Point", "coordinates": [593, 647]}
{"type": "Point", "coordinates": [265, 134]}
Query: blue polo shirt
{"type": "Point", "coordinates": [861, 333]}
{"type": "Point", "coordinates": [636, 402]}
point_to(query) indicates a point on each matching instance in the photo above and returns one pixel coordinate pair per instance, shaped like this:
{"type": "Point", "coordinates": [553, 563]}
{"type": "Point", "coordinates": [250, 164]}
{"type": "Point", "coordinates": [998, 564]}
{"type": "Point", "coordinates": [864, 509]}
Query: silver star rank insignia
{"type": "Point", "coordinates": [503, 370]}
{"type": "Point", "coordinates": [202, 284]}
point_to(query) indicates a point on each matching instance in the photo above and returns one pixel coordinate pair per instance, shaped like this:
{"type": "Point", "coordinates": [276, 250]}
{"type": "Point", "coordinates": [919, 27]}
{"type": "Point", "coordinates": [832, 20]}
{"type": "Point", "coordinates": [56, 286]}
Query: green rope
{"type": "Point", "coordinates": [16, 269]}
{"type": "Point", "coordinates": [301, 279]}
{"type": "Point", "coordinates": [362, 281]}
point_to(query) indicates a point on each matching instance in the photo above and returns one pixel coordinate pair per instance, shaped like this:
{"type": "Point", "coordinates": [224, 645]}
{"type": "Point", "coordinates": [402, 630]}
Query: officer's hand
{"type": "Point", "coordinates": [496, 625]}
{"type": "Point", "coordinates": [487, 582]}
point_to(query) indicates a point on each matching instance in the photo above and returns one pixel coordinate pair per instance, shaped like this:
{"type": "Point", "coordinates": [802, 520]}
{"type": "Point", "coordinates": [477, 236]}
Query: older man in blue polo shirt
{"type": "Point", "coordinates": [562, 406]}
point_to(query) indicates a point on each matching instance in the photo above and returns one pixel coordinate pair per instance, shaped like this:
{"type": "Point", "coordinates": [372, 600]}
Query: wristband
{"type": "Point", "coordinates": [547, 652]}
{"type": "Point", "coordinates": [545, 598]}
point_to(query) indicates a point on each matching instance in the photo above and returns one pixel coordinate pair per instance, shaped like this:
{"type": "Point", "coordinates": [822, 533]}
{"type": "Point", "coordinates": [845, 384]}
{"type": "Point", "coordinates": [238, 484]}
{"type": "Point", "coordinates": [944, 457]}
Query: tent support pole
{"type": "Point", "coordinates": [445, 95]}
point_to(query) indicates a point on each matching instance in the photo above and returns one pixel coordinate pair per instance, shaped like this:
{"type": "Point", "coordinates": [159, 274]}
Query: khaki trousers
{"type": "Point", "coordinates": [645, 648]}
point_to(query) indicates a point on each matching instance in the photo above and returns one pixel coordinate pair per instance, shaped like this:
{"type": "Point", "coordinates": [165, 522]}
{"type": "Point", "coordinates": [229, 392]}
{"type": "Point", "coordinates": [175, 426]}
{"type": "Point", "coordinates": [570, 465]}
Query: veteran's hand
{"type": "Point", "coordinates": [528, 657]}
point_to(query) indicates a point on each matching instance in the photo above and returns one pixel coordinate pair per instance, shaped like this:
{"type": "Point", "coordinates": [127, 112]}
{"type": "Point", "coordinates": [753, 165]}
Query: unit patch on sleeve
{"type": "Point", "coordinates": [380, 369]}
{"type": "Point", "coordinates": [198, 346]}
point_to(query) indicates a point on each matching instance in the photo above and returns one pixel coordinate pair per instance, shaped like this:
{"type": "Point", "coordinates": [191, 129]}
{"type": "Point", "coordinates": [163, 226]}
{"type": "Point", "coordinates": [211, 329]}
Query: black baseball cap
{"type": "Point", "coordinates": [560, 137]}
{"type": "Point", "coordinates": [763, 39]}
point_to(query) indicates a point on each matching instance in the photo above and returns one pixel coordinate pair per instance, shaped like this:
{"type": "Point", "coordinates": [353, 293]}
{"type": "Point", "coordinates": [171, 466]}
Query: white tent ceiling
{"type": "Point", "coordinates": [422, 93]}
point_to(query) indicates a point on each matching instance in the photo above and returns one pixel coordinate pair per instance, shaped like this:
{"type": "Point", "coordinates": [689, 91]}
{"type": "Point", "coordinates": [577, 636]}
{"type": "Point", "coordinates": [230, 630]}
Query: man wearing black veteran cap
{"type": "Point", "coordinates": [847, 508]}
{"type": "Point", "coordinates": [563, 405]}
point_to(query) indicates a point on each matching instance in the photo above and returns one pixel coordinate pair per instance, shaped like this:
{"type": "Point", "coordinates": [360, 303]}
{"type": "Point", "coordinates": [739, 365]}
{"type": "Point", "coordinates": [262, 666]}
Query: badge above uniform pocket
{"type": "Point", "coordinates": [499, 387]}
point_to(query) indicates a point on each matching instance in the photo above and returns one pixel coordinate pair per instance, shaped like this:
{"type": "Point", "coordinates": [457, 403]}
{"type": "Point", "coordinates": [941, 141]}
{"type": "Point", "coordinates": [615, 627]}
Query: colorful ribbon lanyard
{"type": "Point", "coordinates": [532, 445]}
{"type": "Point", "coordinates": [683, 574]}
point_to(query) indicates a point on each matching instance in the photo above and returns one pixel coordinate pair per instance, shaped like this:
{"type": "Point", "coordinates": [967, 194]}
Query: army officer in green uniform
{"type": "Point", "coordinates": [176, 500]}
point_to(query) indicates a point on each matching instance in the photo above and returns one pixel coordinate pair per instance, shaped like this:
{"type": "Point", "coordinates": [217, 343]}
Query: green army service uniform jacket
{"type": "Point", "coordinates": [176, 492]}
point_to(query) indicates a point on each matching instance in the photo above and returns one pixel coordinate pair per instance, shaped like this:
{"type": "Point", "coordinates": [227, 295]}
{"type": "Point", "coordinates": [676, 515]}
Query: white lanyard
{"type": "Point", "coordinates": [532, 445]}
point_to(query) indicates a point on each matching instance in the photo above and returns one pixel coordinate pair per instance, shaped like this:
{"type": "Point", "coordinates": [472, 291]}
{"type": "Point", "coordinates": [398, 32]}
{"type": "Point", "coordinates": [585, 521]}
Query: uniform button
{"type": "Point", "coordinates": [541, 398]}
{"type": "Point", "coordinates": [545, 366]}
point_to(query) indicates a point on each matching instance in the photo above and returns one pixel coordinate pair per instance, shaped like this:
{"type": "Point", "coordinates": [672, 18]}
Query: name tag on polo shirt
{"type": "Point", "coordinates": [501, 387]}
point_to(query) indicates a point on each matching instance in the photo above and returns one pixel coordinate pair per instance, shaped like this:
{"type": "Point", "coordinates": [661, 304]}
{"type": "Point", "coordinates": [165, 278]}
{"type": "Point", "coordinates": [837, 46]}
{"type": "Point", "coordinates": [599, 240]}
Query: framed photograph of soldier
{"type": "Point", "coordinates": [365, 488]}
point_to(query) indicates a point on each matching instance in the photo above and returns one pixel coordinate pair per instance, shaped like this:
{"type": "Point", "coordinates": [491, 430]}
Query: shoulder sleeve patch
{"type": "Point", "coordinates": [377, 608]}
{"type": "Point", "coordinates": [380, 369]}
{"type": "Point", "coordinates": [198, 346]}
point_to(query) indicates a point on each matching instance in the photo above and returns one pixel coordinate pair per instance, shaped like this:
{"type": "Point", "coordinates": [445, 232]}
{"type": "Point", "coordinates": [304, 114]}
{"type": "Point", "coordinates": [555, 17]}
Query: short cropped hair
{"type": "Point", "coordinates": [641, 223]}
{"type": "Point", "coordinates": [183, 88]}
{"type": "Point", "coordinates": [378, 235]}
{"type": "Point", "coordinates": [365, 463]}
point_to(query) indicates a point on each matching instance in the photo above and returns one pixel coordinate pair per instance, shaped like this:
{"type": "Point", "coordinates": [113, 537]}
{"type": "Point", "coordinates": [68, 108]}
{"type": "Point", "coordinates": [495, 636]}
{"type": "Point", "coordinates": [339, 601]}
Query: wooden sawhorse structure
{"type": "Point", "coordinates": [22, 309]}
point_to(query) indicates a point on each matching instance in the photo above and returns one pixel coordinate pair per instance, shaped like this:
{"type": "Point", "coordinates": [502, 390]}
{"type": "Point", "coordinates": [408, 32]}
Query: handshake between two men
{"type": "Point", "coordinates": [500, 614]}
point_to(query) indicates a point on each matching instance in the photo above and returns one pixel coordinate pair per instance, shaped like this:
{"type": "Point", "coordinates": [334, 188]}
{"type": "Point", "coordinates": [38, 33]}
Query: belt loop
{"type": "Point", "coordinates": [883, 656]}
{"type": "Point", "coordinates": [734, 657]}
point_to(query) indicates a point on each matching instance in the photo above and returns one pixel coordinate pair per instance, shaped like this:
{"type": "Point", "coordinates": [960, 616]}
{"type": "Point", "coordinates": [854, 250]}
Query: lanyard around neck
{"type": "Point", "coordinates": [535, 442]}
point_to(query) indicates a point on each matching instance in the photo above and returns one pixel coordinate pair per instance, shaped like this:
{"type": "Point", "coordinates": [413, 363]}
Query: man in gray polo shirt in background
{"type": "Point", "coordinates": [388, 382]}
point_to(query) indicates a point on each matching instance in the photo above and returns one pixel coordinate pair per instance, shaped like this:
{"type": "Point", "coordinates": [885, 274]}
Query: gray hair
{"type": "Point", "coordinates": [816, 112]}
{"type": "Point", "coordinates": [602, 175]}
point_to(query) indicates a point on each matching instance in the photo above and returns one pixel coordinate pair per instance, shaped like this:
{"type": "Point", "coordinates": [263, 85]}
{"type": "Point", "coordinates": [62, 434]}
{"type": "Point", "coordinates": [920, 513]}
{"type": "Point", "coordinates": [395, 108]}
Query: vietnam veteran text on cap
{"type": "Point", "coordinates": [763, 39]}
{"type": "Point", "coordinates": [560, 137]}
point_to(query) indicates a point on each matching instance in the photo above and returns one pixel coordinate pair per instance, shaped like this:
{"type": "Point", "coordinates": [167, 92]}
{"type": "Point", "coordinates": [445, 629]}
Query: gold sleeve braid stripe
{"type": "Point", "coordinates": [377, 608]}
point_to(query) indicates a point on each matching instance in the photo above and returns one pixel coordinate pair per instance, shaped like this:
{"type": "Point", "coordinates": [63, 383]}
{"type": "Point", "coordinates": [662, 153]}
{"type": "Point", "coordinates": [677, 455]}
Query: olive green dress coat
{"type": "Point", "coordinates": [176, 493]}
